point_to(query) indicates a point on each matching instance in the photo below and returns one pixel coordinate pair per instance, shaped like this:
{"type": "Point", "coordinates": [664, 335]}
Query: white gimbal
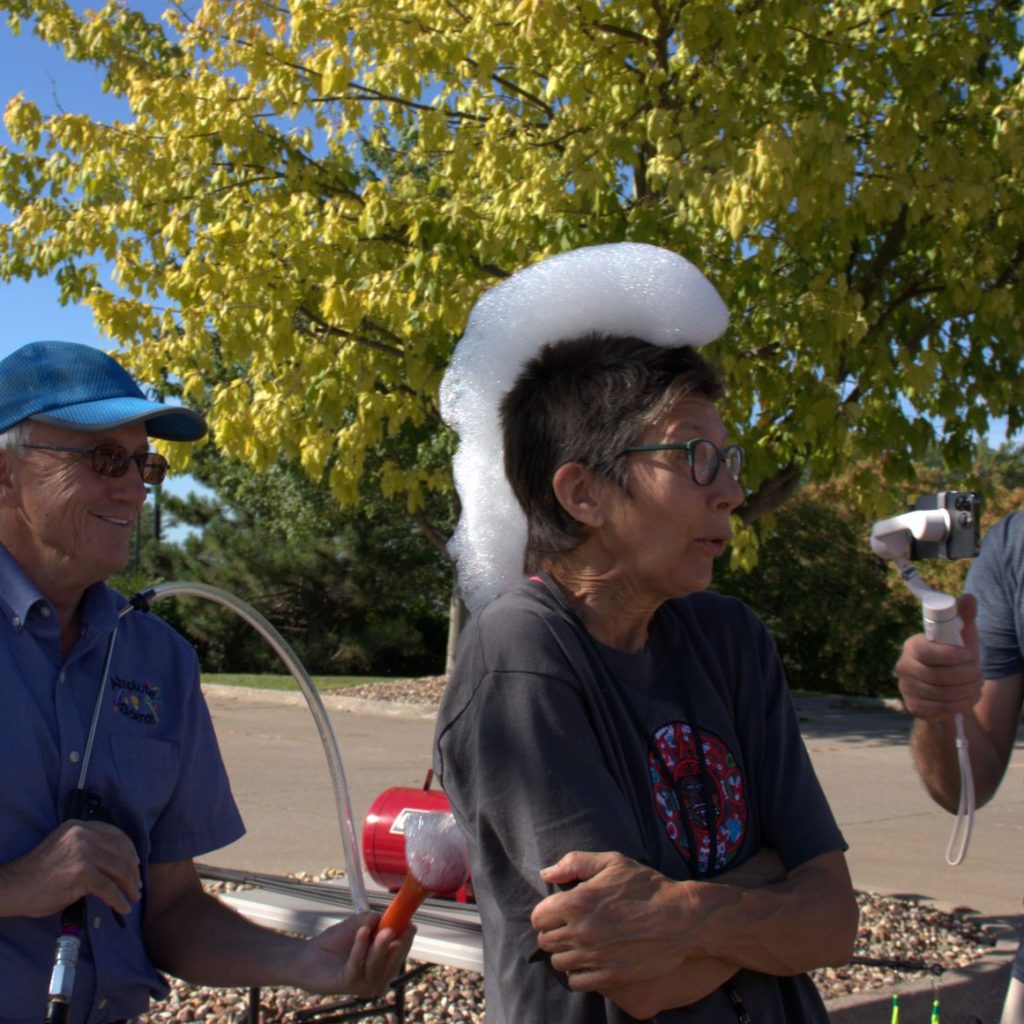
{"type": "Point", "coordinates": [944, 525]}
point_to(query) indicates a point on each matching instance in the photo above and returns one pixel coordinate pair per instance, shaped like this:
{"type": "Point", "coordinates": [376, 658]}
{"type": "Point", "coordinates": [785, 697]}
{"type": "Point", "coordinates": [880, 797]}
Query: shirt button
{"type": "Point", "coordinates": [102, 1004]}
{"type": "Point", "coordinates": [62, 676]}
{"type": "Point", "coordinates": [74, 757]}
{"type": "Point", "coordinates": [16, 621]}
{"type": "Point", "coordinates": [95, 922]}
{"type": "Point", "coordinates": [44, 610]}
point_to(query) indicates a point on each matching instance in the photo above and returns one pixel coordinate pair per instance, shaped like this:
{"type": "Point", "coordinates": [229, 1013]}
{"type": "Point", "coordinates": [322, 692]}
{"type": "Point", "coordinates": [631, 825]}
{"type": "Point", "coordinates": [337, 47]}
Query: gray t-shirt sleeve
{"type": "Point", "coordinates": [995, 580]}
{"type": "Point", "coordinates": [535, 791]}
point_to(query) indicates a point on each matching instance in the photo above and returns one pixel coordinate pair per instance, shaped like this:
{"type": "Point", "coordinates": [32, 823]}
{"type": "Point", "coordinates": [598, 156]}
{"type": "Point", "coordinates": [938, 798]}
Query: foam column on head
{"type": "Point", "coordinates": [625, 288]}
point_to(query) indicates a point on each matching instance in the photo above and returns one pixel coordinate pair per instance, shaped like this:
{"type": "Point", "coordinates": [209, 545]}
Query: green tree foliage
{"type": "Point", "coordinates": [1001, 469]}
{"type": "Point", "coordinates": [318, 192]}
{"type": "Point", "coordinates": [839, 614]}
{"type": "Point", "coordinates": [352, 591]}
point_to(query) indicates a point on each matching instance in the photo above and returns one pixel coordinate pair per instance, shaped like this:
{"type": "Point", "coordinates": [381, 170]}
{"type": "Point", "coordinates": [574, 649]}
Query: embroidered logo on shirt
{"type": "Point", "coordinates": [138, 701]}
{"type": "Point", "coordinates": [683, 790]}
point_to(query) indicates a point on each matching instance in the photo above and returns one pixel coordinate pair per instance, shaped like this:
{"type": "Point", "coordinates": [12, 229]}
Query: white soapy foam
{"type": "Point", "coordinates": [625, 288]}
{"type": "Point", "coordinates": [436, 851]}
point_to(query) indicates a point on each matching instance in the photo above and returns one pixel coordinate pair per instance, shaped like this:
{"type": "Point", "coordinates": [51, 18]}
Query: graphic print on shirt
{"type": "Point", "coordinates": [684, 791]}
{"type": "Point", "coordinates": [137, 701]}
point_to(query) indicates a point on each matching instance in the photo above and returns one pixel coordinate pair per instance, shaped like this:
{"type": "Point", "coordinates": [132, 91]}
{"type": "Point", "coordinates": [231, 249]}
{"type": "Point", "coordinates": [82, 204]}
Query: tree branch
{"type": "Point", "coordinates": [349, 336]}
{"type": "Point", "coordinates": [884, 255]}
{"type": "Point", "coordinates": [625, 33]}
{"type": "Point", "coordinates": [507, 83]}
{"type": "Point", "coordinates": [912, 291]}
{"type": "Point", "coordinates": [773, 493]}
{"type": "Point", "coordinates": [769, 351]}
{"type": "Point", "coordinates": [433, 535]}
{"type": "Point", "coordinates": [364, 92]}
{"type": "Point", "coordinates": [1012, 268]}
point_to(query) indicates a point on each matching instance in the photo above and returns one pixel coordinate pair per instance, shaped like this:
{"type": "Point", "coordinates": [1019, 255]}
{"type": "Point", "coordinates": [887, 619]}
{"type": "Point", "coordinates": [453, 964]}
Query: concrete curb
{"type": "Point", "coordinates": [397, 709]}
{"type": "Point", "coordinates": [333, 702]}
{"type": "Point", "coordinates": [839, 702]}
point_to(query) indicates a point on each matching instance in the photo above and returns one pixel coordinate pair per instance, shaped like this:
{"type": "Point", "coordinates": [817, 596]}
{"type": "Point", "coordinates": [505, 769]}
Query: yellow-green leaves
{"type": "Point", "coordinates": [307, 198]}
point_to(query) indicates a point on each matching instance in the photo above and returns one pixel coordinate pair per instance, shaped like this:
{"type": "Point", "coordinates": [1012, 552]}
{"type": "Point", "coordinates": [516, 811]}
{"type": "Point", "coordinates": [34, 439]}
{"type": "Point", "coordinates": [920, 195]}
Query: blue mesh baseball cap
{"type": "Point", "coordinates": [79, 387]}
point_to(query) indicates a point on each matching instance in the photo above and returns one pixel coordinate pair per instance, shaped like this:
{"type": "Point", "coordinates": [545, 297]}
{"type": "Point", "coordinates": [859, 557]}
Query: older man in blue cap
{"type": "Point", "coordinates": [120, 841]}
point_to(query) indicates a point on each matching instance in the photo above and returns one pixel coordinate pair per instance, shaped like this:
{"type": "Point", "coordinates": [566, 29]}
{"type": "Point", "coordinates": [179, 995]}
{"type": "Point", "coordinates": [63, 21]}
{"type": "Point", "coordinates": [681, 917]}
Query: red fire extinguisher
{"type": "Point", "coordinates": [384, 833]}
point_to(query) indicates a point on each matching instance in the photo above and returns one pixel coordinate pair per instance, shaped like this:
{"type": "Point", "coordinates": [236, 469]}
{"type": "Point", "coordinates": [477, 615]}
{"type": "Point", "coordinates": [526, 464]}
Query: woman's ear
{"type": "Point", "coordinates": [580, 491]}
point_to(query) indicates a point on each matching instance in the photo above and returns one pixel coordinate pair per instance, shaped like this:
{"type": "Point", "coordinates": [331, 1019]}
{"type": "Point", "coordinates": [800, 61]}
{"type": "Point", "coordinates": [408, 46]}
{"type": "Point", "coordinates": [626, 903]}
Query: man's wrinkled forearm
{"type": "Point", "coordinates": [808, 920]}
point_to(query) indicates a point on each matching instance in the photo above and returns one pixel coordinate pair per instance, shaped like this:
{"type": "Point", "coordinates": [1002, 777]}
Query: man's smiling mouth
{"type": "Point", "coordinates": [116, 520]}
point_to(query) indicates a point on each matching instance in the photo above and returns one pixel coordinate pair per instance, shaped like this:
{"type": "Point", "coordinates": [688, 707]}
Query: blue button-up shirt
{"type": "Point", "coordinates": [155, 764]}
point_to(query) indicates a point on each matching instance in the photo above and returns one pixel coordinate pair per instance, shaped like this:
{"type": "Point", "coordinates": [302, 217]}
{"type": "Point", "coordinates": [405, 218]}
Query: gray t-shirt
{"type": "Point", "coordinates": [549, 742]}
{"type": "Point", "coordinates": [996, 578]}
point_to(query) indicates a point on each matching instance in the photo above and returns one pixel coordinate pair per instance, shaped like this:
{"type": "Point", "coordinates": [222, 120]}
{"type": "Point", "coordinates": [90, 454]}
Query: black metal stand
{"type": "Point", "coordinates": [351, 1009]}
{"type": "Point", "coordinates": [253, 1017]}
{"type": "Point", "coordinates": [935, 970]}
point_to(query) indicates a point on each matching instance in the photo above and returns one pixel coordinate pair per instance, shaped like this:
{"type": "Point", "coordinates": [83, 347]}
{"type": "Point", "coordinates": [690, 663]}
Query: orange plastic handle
{"type": "Point", "coordinates": [406, 902]}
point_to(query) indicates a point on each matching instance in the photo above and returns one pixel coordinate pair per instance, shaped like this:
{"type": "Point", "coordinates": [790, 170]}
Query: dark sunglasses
{"type": "Point", "coordinates": [112, 460]}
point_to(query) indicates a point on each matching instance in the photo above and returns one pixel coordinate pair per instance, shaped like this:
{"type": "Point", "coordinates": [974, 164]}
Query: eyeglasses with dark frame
{"type": "Point", "coordinates": [704, 458]}
{"type": "Point", "coordinates": [113, 460]}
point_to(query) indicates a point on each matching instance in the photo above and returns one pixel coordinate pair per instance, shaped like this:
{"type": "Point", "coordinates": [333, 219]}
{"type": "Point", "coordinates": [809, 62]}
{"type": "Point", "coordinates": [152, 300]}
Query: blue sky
{"type": "Point", "coordinates": [32, 310]}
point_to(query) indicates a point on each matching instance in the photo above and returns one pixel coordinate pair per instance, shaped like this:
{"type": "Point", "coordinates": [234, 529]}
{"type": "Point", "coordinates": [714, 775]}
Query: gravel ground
{"type": "Point", "coordinates": [890, 928]}
{"type": "Point", "coordinates": [427, 690]}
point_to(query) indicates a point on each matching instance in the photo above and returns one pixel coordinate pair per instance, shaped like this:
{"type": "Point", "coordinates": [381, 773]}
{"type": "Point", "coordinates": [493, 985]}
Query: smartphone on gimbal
{"type": "Point", "coordinates": [963, 538]}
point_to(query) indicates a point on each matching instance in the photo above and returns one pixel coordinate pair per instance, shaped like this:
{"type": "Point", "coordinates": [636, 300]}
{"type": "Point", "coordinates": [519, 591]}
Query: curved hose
{"type": "Point", "coordinates": [281, 647]}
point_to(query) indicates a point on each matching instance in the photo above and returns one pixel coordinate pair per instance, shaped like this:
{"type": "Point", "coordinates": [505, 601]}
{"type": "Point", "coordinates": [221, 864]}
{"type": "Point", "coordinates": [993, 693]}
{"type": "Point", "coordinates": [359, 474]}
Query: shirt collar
{"type": "Point", "coordinates": [19, 595]}
{"type": "Point", "coordinates": [17, 592]}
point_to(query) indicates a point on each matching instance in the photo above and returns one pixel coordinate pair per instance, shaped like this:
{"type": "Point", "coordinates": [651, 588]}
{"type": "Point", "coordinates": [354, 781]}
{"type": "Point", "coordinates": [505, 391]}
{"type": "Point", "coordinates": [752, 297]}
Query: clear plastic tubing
{"type": "Point", "coordinates": [353, 866]}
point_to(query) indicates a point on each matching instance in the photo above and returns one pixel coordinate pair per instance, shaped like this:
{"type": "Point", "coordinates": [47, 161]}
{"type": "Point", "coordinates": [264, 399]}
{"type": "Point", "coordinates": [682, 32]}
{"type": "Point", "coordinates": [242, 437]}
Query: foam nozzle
{"type": "Point", "coordinates": [438, 859]}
